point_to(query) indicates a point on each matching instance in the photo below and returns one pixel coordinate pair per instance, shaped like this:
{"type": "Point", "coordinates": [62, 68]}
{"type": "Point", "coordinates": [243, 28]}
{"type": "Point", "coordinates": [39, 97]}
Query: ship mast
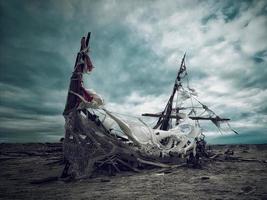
{"type": "Point", "coordinates": [76, 78]}
{"type": "Point", "coordinates": [165, 117]}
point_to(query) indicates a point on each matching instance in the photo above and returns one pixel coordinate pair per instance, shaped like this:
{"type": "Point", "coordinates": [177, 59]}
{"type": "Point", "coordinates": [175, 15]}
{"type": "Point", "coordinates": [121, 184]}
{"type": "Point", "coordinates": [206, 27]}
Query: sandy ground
{"type": "Point", "coordinates": [22, 165]}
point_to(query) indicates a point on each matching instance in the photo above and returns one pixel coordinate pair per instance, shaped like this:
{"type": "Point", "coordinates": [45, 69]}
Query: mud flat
{"type": "Point", "coordinates": [29, 171]}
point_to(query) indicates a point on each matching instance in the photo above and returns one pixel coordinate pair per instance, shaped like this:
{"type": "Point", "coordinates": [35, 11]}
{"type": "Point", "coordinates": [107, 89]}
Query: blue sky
{"type": "Point", "coordinates": [136, 47]}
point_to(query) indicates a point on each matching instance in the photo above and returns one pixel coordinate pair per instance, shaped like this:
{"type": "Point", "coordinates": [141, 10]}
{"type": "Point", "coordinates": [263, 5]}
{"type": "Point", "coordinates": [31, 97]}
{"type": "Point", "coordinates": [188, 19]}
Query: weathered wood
{"type": "Point", "coordinates": [191, 117]}
{"type": "Point", "coordinates": [45, 180]}
{"type": "Point", "coordinates": [65, 170]}
{"type": "Point", "coordinates": [128, 165]}
{"type": "Point", "coordinates": [88, 38]}
{"type": "Point", "coordinates": [157, 164]}
{"type": "Point", "coordinates": [76, 79]}
{"type": "Point", "coordinates": [164, 118]}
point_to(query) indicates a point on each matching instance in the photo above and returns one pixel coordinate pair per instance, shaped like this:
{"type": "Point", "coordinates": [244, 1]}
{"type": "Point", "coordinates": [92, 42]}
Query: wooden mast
{"type": "Point", "coordinates": [166, 116]}
{"type": "Point", "coordinates": [76, 78]}
{"type": "Point", "coordinates": [164, 119]}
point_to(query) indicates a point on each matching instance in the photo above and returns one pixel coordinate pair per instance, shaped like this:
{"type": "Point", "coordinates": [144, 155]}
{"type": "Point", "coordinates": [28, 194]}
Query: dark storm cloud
{"type": "Point", "coordinates": [136, 47]}
{"type": "Point", "coordinates": [31, 68]}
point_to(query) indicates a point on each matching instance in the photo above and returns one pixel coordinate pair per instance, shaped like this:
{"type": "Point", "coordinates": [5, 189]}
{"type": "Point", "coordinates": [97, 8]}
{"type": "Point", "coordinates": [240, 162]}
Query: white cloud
{"type": "Point", "coordinates": [136, 104]}
{"type": "Point", "coordinates": [217, 48]}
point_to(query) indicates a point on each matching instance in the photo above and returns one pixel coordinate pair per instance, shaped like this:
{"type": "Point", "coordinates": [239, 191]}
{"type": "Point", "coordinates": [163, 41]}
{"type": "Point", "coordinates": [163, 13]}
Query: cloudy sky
{"type": "Point", "coordinates": [136, 47]}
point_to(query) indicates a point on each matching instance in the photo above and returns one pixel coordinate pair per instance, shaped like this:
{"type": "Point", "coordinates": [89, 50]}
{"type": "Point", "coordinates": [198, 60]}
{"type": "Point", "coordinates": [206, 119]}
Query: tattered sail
{"type": "Point", "coordinates": [179, 95]}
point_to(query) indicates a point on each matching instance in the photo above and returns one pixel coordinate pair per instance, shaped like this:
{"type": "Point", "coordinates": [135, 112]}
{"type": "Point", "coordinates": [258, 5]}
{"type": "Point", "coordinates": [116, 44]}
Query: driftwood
{"type": "Point", "coordinates": [45, 180]}
{"type": "Point", "coordinates": [89, 147]}
{"type": "Point", "coordinates": [97, 150]}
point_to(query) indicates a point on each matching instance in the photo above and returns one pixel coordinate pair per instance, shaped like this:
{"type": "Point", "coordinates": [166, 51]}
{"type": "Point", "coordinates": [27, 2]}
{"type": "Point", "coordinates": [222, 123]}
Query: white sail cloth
{"type": "Point", "coordinates": [181, 138]}
{"type": "Point", "coordinates": [96, 102]}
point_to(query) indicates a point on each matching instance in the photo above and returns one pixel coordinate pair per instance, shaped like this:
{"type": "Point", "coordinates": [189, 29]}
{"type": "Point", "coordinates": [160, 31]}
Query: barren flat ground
{"type": "Point", "coordinates": [22, 166]}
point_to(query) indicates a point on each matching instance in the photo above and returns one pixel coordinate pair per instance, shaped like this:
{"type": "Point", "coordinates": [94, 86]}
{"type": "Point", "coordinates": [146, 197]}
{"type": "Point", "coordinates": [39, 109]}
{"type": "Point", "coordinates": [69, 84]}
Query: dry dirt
{"type": "Point", "coordinates": [23, 165]}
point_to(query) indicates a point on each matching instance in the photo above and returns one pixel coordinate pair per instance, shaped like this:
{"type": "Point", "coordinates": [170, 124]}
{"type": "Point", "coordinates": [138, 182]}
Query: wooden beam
{"type": "Point", "coordinates": [191, 117]}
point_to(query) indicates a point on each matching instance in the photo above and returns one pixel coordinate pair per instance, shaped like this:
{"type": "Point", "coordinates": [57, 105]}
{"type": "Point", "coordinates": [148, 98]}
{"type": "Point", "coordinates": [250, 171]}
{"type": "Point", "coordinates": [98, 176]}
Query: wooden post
{"type": "Point", "coordinates": [76, 79]}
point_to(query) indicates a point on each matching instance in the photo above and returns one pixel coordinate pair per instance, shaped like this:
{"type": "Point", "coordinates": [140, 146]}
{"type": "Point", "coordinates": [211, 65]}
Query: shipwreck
{"type": "Point", "coordinates": [98, 140]}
